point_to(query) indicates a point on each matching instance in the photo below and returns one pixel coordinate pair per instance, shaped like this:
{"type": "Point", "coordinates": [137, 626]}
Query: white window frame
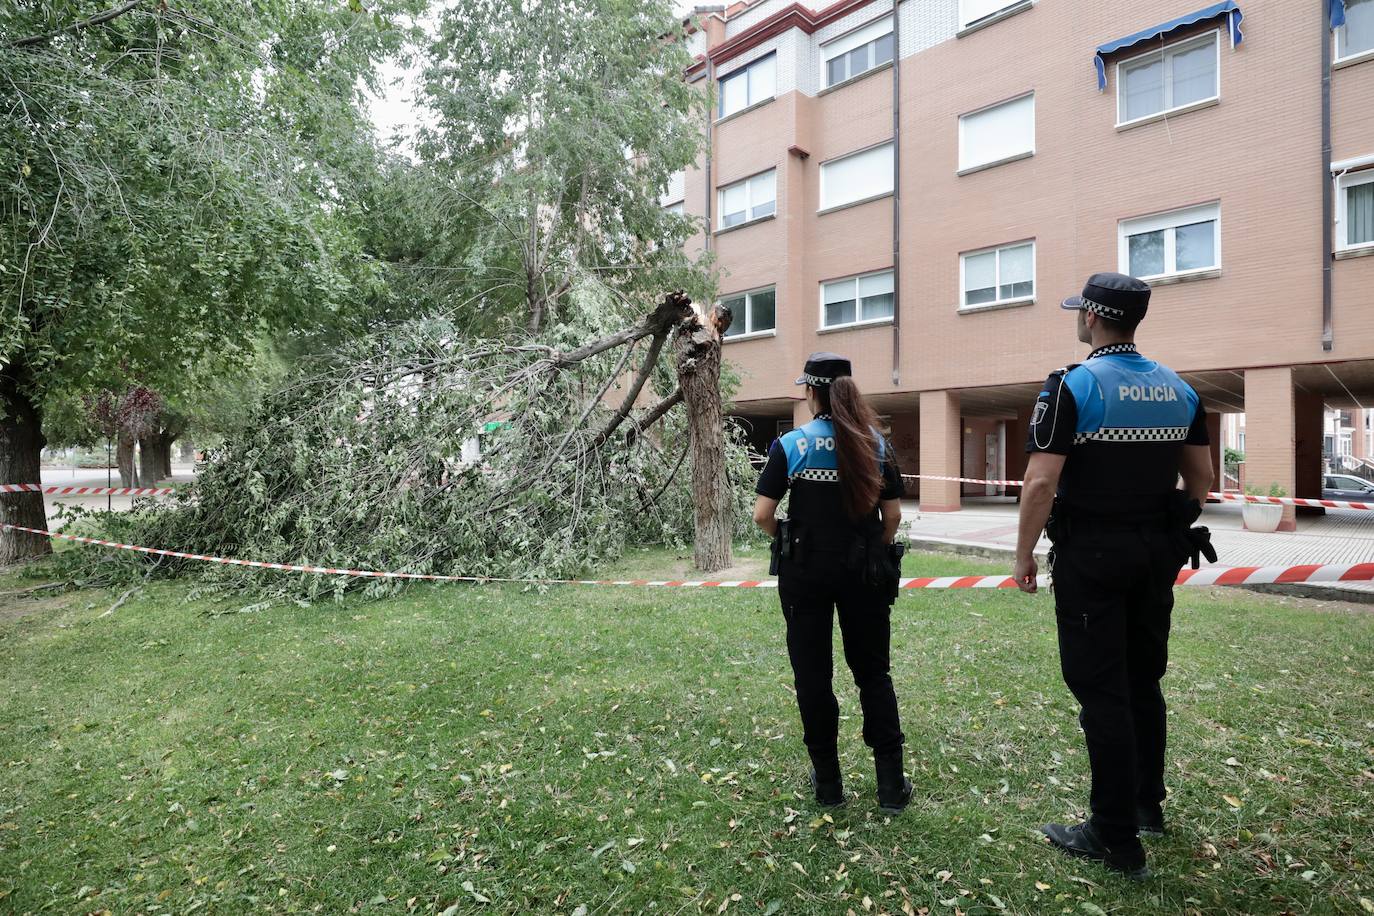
{"type": "Point", "coordinates": [745, 72]}
{"type": "Point", "coordinates": [859, 322]}
{"type": "Point", "coordinates": [1164, 53]}
{"type": "Point", "coordinates": [867, 34]}
{"type": "Point", "coordinates": [1343, 184]}
{"type": "Point", "coordinates": [1337, 37]}
{"type": "Point", "coordinates": [991, 163]}
{"type": "Point", "coordinates": [964, 306]}
{"type": "Point", "coordinates": [826, 208]}
{"type": "Point", "coordinates": [749, 202]}
{"type": "Point", "coordinates": [1168, 220]}
{"type": "Point", "coordinates": [748, 317]}
{"type": "Point", "coordinates": [965, 22]}
{"type": "Point", "coordinates": [677, 209]}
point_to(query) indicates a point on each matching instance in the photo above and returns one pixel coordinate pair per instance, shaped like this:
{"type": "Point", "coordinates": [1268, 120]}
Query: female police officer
{"type": "Point", "coordinates": [834, 554]}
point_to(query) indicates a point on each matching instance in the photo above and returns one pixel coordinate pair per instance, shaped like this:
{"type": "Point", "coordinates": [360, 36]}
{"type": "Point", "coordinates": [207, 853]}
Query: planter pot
{"type": "Point", "coordinates": [1262, 516]}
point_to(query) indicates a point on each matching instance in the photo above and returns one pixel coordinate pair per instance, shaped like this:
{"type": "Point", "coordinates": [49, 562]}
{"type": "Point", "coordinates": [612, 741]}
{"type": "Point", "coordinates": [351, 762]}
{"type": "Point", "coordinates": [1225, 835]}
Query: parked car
{"type": "Point", "coordinates": [1347, 487]}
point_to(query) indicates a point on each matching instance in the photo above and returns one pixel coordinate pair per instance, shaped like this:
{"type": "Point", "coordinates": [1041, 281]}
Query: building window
{"type": "Point", "coordinates": [753, 313]}
{"type": "Point", "coordinates": [859, 176]}
{"type": "Point", "coordinates": [975, 11]}
{"type": "Point", "coordinates": [998, 133]}
{"type": "Point", "coordinates": [677, 209]}
{"type": "Point", "coordinates": [748, 85]}
{"type": "Point", "coordinates": [998, 275]}
{"type": "Point", "coordinates": [676, 188]}
{"type": "Point", "coordinates": [1171, 244]}
{"type": "Point", "coordinates": [1356, 37]}
{"type": "Point", "coordinates": [858, 52]}
{"type": "Point", "coordinates": [855, 300]}
{"type": "Point", "coordinates": [1355, 210]}
{"type": "Point", "coordinates": [1174, 77]}
{"type": "Point", "coordinates": [747, 200]}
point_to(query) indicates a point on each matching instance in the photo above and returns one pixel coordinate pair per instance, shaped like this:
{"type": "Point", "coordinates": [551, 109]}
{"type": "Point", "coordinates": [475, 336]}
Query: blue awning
{"type": "Point", "coordinates": [1337, 13]}
{"type": "Point", "coordinates": [1230, 9]}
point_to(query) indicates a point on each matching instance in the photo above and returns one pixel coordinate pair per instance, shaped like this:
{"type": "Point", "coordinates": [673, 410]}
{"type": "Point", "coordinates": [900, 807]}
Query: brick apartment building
{"type": "Point", "coordinates": [920, 194]}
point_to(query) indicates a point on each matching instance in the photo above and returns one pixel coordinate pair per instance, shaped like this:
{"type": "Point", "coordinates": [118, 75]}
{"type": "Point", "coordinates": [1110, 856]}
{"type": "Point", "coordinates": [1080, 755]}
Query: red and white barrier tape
{"type": "Point", "coordinates": [85, 491]}
{"type": "Point", "coordinates": [1228, 497]}
{"type": "Point", "coordinates": [1239, 575]}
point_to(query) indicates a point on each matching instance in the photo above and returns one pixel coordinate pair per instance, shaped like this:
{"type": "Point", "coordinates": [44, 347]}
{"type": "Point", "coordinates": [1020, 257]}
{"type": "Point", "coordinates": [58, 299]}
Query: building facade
{"type": "Point", "coordinates": [918, 188]}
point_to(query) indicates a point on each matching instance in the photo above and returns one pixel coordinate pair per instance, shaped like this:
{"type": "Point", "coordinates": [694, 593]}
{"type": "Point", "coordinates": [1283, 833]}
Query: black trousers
{"type": "Point", "coordinates": [811, 594]}
{"type": "Point", "coordinates": [1114, 597]}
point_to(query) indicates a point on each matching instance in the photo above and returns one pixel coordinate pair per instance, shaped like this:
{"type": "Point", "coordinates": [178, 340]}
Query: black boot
{"type": "Point", "coordinates": [1149, 821]}
{"type": "Point", "coordinates": [894, 789]}
{"type": "Point", "coordinates": [826, 782]}
{"type": "Point", "coordinates": [1127, 857]}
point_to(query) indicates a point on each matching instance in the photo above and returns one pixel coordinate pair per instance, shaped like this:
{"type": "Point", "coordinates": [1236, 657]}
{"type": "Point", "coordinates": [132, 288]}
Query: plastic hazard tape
{"type": "Point", "coordinates": [1228, 497]}
{"type": "Point", "coordinates": [1238, 575]}
{"type": "Point", "coordinates": [85, 491]}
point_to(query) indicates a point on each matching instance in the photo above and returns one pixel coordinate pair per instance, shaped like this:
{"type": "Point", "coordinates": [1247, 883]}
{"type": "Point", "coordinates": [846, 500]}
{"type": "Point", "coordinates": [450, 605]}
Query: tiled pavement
{"type": "Point", "coordinates": [1339, 536]}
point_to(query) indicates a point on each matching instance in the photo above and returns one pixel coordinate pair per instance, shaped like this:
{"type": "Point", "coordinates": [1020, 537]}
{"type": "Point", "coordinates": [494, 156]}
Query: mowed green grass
{"type": "Point", "coordinates": [609, 750]}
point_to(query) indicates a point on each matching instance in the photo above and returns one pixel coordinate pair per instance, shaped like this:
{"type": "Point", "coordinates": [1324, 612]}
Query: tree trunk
{"type": "Point", "coordinates": [21, 447]}
{"type": "Point", "coordinates": [698, 373]}
{"type": "Point", "coordinates": [150, 459]}
{"type": "Point", "coordinates": [124, 457]}
{"type": "Point", "coordinates": [164, 455]}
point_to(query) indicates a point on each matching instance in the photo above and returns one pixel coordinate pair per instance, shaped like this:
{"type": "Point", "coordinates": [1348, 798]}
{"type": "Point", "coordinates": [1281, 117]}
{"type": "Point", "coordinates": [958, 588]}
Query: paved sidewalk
{"type": "Point", "coordinates": [1339, 536]}
{"type": "Point", "coordinates": [95, 477]}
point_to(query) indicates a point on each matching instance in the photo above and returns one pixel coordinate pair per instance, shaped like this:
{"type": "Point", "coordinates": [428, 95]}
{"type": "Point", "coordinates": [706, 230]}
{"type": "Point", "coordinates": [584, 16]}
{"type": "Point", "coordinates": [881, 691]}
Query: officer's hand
{"type": "Point", "coordinates": [1024, 573]}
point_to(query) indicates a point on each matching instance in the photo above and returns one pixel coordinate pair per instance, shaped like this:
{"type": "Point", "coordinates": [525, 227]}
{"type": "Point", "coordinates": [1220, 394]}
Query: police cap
{"type": "Point", "coordinates": [823, 368]}
{"type": "Point", "coordinates": [1114, 296]}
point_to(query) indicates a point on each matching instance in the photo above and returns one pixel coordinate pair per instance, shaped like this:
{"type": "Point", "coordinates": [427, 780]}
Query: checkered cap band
{"type": "Point", "coordinates": [1106, 311]}
{"type": "Point", "coordinates": [809, 379]}
{"type": "Point", "coordinates": [1126, 434]}
{"type": "Point", "coordinates": [821, 475]}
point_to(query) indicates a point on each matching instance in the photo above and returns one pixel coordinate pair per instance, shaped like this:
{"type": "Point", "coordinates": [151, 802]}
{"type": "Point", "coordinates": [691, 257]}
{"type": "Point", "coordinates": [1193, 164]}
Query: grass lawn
{"type": "Point", "coordinates": [595, 750]}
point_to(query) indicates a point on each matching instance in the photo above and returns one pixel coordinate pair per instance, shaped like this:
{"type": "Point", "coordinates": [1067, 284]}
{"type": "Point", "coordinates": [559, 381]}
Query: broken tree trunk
{"type": "Point", "coordinates": [698, 373]}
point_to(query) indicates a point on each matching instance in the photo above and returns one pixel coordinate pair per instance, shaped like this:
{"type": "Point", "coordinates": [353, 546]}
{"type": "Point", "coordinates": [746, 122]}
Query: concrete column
{"type": "Point", "coordinates": [1308, 419]}
{"type": "Point", "coordinates": [1270, 446]}
{"type": "Point", "coordinates": [941, 438]}
{"type": "Point", "coordinates": [1214, 437]}
{"type": "Point", "coordinates": [801, 413]}
{"type": "Point", "coordinates": [1018, 430]}
{"type": "Point", "coordinates": [1359, 447]}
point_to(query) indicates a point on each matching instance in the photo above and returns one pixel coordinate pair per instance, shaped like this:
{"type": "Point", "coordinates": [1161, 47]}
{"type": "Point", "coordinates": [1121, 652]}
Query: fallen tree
{"type": "Point", "coordinates": [419, 454]}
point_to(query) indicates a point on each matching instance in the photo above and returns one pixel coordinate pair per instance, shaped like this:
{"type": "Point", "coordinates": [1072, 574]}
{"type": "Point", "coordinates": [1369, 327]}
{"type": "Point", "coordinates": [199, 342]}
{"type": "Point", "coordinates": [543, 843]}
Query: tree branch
{"type": "Point", "coordinates": [97, 19]}
{"type": "Point", "coordinates": [653, 416]}
{"type": "Point", "coordinates": [628, 402]}
{"type": "Point", "coordinates": [673, 308]}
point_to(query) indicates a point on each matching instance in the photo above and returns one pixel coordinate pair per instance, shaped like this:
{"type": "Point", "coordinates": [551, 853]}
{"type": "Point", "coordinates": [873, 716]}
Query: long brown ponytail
{"type": "Point", "coordinates": [856, 445]}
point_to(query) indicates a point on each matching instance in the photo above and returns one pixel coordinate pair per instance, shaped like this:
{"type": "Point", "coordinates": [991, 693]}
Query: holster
{"type": "Point", "coordinates": [1059, 526]}
{"type": "Point", "coordinates": [1189, 542]}
{"type": "Point", "coordinates": [781, 548]}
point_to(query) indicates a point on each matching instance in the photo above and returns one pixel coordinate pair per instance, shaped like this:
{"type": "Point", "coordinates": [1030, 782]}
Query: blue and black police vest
{"type": "Point", "coordinates": [1133, 419]}
{"type": "Point", "coordinates": [816, 501]}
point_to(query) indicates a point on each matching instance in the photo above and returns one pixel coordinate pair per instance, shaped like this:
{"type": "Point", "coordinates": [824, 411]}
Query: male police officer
{"type": "Point", "coordinates": [1108, 440]}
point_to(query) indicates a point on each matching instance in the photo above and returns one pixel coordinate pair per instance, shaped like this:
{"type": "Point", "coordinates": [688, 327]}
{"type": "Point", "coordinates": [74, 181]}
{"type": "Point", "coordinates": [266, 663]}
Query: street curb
{"type": "Point", "coordinates": [994, 552]}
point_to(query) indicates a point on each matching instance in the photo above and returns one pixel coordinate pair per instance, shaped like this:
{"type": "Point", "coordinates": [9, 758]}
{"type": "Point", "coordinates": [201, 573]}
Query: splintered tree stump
{"type": "Point", "coordinates": [698, 373]}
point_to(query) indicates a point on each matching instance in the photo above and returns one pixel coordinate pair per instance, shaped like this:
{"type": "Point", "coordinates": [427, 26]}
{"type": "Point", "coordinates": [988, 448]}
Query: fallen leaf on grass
{"type": "Point", "coordinates": [479, 897]}
{"type": "Point", "coordinates": [1041, 886]}
{"type": "Point", "coordinates": [1232, 762]}
{"type": "Point", "coordinates": [1367, 905]}
{"type": "Point", "coordinates": [1094, 909]}
{"type": "Point", "coordinates": [773, 907]}
{"type": "Point", "coordinates": [1233, 801]}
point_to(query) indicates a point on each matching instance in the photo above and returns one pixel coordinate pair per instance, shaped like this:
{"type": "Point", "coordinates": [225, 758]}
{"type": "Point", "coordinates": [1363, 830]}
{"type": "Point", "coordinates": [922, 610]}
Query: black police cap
{"type": "Point", "coordinates": [1114, 296]}
{"type": "Point", "coordinates": [824, 368]}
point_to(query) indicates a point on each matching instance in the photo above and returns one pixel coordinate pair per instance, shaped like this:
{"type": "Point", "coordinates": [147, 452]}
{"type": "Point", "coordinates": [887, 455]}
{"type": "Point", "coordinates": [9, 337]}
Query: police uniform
{"type": "Point", "coordinates": [1122, 421]}
{"type": "Point", "coordinates": [820, 573]}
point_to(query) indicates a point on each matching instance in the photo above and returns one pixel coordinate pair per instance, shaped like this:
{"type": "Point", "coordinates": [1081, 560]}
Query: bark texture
{"type": "Point", "coordinates": [698, 373]}
{"type": "Point", "coordinates": [124, 457]}
{"type": "Point", "coordinates": [21, 447]}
